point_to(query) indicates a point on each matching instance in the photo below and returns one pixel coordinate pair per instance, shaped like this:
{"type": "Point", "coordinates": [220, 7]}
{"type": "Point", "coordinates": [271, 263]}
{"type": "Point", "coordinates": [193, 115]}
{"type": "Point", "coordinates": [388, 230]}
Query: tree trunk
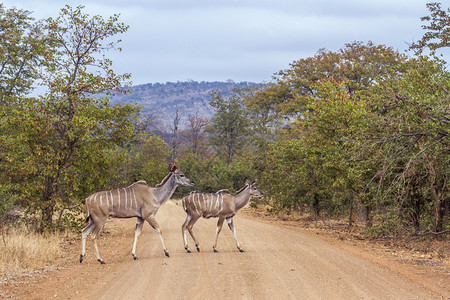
{"type": "Point", "coordinates": [436, 188]}
{"type": "Point", "coordinates": [175, 141]}
{"type": "Point", "coordinates": [316, 207]}
{"type": "Point", "coordinates": [351, 199]}
{"type": "Point", "coordinates": [47, 207]}
{"type": "Point", "coordinates": [439, 210]}
{"type": "Point", "coordinates": [416, 206]}
{"type": "Point", "coordinates": [47, 217]}
{"type": "Point", "coordinates": [368, 215]}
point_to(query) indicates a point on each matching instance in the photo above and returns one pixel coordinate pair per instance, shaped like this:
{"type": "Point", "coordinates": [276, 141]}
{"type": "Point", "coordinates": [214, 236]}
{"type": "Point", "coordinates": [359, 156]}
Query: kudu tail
{"type": "Point", "coordinates": [88, 214]}
{"type": "Point", "coordinates": [87, 210]}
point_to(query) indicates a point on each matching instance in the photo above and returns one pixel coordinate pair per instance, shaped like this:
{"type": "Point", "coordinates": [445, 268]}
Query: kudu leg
{"type": "Point", "coordinates": [100, 260]}
{"type": "Point", "coordinates": [155, 225]}
{"type": "Point", "coordinates": [183, 233]}
{"type": "Point", "coordinates": [84, 235]}
{"type": "Point", "coordinates": [137, 232]}
{"type": "Point", "coordinates": [233, 230]}
{"type": "Point", "coordinates": [97, 231]}
{"type": "Point", "coordinates": [190, 227]}
{"type": "Point", "coordinates": [218, 229]}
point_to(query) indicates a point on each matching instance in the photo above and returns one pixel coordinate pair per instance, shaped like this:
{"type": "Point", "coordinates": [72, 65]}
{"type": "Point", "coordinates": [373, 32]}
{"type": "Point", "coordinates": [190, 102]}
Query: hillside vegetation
{"type": "Point", "coordinates": [189, 98]}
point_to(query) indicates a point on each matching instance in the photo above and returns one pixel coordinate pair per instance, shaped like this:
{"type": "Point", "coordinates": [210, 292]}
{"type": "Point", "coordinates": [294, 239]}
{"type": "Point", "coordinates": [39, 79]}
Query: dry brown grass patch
{"type": "Point", "coordinates": [24, 251]}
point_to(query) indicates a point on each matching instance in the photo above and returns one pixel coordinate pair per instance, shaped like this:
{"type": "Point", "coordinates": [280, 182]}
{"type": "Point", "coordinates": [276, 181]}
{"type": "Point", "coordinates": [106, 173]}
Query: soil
{"type": "Point", "coordinates": [283, 259]}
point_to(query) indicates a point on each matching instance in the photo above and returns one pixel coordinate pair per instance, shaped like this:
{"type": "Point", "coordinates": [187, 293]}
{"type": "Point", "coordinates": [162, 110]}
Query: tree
{"type": "Point", "coordinates": [437, 35]}
{"type": "Point", "coordinates": [411, 130]}
{"type": "Point", "coordinates": [312, 164]}
{"type": "Point", "coordinates": [147, 159]}
{"type": "Point", "coordinates": [227, 134]}
{"type": "Point", "coordinates": [21, 49]}
{"type": "Point", "coordinates": [310, 99]}
{"type": "Point", "coordinates": [61, 139]}
{"type": "Point", "coordinates": [194, 137]}
{"type": "Point", "coordinates": [358, 66]}
{"type": "Point", "coordinates": [229, 125]}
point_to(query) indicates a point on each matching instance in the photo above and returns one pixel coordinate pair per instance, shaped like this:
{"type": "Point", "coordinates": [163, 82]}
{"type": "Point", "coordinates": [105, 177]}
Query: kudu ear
{"type": "Point", "coordinates": [247, 181]}
{"type": "Point", "coordinates": [253, 182]}
{"type": "Point", "coordinates": [173, 168]}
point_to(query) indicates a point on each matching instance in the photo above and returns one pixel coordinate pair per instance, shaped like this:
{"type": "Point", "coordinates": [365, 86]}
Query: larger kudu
{"type": "Point", "coordinates": [137, 200]}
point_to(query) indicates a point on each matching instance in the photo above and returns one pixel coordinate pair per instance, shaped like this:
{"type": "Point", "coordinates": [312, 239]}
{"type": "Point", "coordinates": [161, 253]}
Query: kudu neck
{"type": "Point", "coordinates": [166, 190]}
{"type": "Point", "coordinates": [242, 197]}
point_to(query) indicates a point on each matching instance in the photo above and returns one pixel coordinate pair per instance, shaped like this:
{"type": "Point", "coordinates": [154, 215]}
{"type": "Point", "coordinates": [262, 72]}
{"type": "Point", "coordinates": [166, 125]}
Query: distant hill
{"type": "Point", "coordinates": [189, 98]}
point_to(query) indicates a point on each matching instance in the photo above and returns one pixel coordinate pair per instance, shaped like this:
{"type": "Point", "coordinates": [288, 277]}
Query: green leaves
{"type": "Point", "coordinates": [21, 49]}
{"type": "Point", "coordinates": [437, 33]}
{"type": "Point", "coordinates": [58, 143]}
{"type": "Point", "coordinates": [362, 125]}
{"type": "Point", "coordinates": [229, 125]}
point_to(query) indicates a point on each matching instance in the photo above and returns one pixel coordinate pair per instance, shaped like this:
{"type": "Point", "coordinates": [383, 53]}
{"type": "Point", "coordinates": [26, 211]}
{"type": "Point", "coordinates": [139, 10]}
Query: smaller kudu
{"type": "Point", "coordinates": [222, 204]}
{"type": "Point", "coordinates": [137, 200]}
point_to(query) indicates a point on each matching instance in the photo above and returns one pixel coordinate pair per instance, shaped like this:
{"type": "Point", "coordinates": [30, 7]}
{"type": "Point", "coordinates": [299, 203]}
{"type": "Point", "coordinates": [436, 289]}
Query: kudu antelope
{"type": "Point", "coordinates": [222, 204]}
{"type": "Point", "coordinates": [137, 200]}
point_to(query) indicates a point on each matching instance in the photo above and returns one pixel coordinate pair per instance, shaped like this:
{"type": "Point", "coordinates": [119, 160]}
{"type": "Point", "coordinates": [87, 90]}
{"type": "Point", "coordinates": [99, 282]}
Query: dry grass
{"type": "Point", "coordinates": [22, 251]}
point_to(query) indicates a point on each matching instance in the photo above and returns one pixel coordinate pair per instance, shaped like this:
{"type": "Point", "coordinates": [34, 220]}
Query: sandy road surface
{"type": "Point", "coordinates": [279, 263]}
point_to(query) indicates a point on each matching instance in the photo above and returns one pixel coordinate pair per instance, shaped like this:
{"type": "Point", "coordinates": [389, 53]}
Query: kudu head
{"type": "Point", "coordinates": [254, 192]}
{"type": "Point", "coordinates": [180, 178]}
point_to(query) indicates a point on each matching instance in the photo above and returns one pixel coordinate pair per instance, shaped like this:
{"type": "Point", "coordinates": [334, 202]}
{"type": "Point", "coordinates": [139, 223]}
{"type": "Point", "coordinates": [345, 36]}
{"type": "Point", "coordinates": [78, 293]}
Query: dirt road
{"type": "Point", "coordinates": [279, 263]}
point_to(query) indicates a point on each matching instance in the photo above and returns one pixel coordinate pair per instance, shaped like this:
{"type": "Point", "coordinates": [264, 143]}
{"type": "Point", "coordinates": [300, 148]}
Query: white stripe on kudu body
{"type": "Point", "coordinates": [144, 203]}
{"type": "Point", "coordinates": [222, 205]}
{"type": "Point", "coordinates": [112, 199]}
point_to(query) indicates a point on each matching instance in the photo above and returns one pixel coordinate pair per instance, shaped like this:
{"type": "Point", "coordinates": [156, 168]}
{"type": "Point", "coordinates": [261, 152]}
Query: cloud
{"type": "Point", "coordinates": [172, 40]}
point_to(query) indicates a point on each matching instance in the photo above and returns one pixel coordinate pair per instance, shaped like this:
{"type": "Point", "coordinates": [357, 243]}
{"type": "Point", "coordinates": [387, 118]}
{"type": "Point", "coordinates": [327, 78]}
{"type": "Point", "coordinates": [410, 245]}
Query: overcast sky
{"type": "Point", "coordinates": [242, 40]}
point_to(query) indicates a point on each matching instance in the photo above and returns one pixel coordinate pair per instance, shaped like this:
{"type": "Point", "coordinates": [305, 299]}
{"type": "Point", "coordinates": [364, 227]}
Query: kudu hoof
{"type": "Point", "coordinates": [101, 262]}
{"type": "Point", "coordinates": [166, 253]}
{"type": "Point", "coordinates": [241, 250]}
{"type": "Point", "coordinates": [81, 258]}
{"type": "Point", "coordinates": [198, 249]}
{"type": "Point", "coordinates": [135, 258]}
{"type": "Point", "coordinates": [188, 251]}
{"type": "Point", "coordinates": [215, 251]}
